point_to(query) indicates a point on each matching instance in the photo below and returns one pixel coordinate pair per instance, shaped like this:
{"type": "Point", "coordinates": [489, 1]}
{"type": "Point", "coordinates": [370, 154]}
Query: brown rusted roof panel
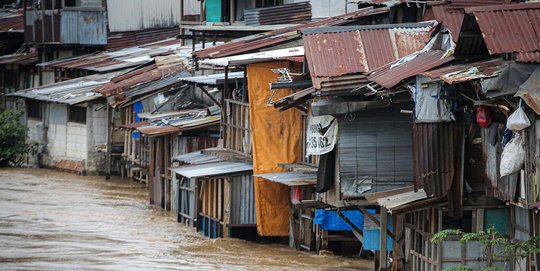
{"type": "Point", "coordinates": [339, 51]}
{"type": "Point", "coordinates": [389, 76]}
{"type": "Point", "coordinates": [334, 54]}
{"type": "Point", "coordinates": [528, 57]}
{"type": "Point", "coordinates": [262, 40]}
{"type": "Point", "coordinates": [467, 71]}
{"type": "Point", "coordinates": [509, 28]}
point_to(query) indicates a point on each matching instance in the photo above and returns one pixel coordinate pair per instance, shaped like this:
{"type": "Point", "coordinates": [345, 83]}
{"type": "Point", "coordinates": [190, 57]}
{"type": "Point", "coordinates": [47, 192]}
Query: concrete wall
{"type": "Point", "coordinates": [132, 15]}
{"type": "Point", "coordinates": [68, 145]}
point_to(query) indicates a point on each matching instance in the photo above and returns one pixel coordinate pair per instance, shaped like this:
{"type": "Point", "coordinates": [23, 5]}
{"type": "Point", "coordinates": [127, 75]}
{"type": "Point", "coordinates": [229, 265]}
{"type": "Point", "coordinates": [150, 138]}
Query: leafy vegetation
{"type": "Point", "coordinates": [13, 146]}
{"type": "Point", "coordinates": [490, 239]}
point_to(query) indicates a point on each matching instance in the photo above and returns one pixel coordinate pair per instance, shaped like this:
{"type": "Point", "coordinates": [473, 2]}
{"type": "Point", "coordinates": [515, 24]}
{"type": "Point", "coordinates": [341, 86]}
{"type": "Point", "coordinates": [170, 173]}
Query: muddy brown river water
{"type": "Point", "coordinates": [59, 221]}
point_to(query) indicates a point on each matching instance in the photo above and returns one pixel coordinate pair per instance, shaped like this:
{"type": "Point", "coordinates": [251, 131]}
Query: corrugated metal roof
{"type": "Point", "coordinates": [451, 13]}
{"type": "Point", "coordinates": [69, 92]}
{"type": "Point", "coordinates": [337, 51]}
{"type": "Point", "coordinates": [197, 157]}
{"type": "Point", "coordinates": [282, 14]}
{"type": "Point", "coordinates": [181, 121]}
{"type": "Point", "coordinates": [291, 178]}
{"type": "Point", "coordinates": [399, 200]}
{"type": "Point", "coordinates": [528, 57]}
{"type": "Point", "coordinates": [137, 83]}
{"type": "Point", "coordinates": [11, 20]}
{"type": "Point", "coordinates": [21, 59]}
{"type": "Point", "coordinates": [235, 28]}
{"type": "Point", "coordinates": [117, 40]}
{"type": "Point", "coordinates": [388, 3]}
{"type": "Point", "coordinates": [254, 57]}
{"type": "Point", "coordinates": [468, 71]}
{"type": "Point", "coordinates": [272, 38]}
{"type": "Point", "coordinates": [509, 28]}
{"type": "Point", "coordinates": [102, 62]}
{"type": "Point", "coordinates": [158, 130]}
{"type": "Point", "coordinates": [390, 75]}
{"type": "Point", "coordinates": [213, 169]}
{"type": "Point", "coordinates": [213, 79]}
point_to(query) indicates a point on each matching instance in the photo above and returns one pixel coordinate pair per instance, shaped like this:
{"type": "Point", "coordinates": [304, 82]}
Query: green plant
{"type": "Point", "coordinates": [490, 239]}
{"type": "Point", "coordinates": [13, 146]}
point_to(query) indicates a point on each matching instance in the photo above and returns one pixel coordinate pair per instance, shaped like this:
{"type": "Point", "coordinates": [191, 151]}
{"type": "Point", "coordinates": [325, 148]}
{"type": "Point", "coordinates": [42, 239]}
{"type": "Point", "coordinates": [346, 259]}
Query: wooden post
{"type": "Point", "coordinates": [383, 263]}
{"type": "Point", "coordinates": [110, 124]}
{"type": "Point", "coordinates": [223, 97]}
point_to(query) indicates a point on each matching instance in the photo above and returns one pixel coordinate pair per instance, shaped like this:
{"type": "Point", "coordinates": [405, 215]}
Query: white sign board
{"type": "Point", "coordinates": [321, 134]}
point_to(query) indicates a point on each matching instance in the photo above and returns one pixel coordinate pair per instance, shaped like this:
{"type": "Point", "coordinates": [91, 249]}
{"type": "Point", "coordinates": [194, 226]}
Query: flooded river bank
{"type": "Point", "coordinates": [59, 221]}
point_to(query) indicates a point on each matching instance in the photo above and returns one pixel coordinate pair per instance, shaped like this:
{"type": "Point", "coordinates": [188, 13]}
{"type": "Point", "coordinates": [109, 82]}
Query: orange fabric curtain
{"type": "Point", "coordinates": [276, 139]}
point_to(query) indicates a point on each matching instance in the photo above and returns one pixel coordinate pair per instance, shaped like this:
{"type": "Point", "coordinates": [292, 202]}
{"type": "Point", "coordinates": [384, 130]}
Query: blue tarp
{"type": "Point", "coordinates": [330, 221]}
{"type": "Point", "coordinates": [137, 108]}
{"type": "Point", "coordinates": [372, 237]}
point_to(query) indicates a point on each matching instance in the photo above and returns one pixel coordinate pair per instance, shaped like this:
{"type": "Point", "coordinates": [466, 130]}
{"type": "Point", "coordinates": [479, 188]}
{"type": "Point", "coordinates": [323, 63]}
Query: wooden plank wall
{"type": "Point", "coordinates": [237, 127]}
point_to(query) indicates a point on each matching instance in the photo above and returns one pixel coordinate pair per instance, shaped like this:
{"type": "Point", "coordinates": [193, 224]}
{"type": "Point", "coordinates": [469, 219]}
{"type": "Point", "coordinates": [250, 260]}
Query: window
{"type": "Point", "coordinates": [33, 109]}
{"type": "Point", "coordinates": [77, 114]}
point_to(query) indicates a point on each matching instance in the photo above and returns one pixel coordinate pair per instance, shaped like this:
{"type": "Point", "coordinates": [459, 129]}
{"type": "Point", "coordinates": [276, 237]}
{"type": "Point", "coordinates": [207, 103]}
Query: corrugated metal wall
{"type": "Point", "coordinates": [375, 150]}
{"type": "Point", "coordinates": [131, 15]}
{"type": "Point", "coordinates": [242, 200]}
{"type": "Point", "coordinates": [436, 153]}
{"type": "Point", "coordinates": [84, 27]}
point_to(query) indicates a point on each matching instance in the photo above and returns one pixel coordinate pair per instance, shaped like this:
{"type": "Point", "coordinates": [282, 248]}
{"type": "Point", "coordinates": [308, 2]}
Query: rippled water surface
{"type": "Point", "coordinates": [59, 221]}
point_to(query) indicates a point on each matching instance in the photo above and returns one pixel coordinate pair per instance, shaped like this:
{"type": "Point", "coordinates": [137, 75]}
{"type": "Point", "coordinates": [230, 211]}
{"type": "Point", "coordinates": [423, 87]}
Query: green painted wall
{"type": "Point", "coordinates": [213, 11]}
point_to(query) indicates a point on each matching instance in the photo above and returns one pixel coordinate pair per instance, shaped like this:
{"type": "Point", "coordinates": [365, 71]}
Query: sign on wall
{"type": "Point", "coordinates": [321, 134]}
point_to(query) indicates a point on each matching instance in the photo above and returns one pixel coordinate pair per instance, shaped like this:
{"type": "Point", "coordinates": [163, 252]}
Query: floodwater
{"type": "Point", "coordinates": [59, 221]}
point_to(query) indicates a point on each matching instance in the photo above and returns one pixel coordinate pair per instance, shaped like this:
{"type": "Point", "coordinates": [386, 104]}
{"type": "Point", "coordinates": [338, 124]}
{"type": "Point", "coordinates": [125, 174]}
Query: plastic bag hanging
{"type": "Point", "coordinates": [483, 116]}
{"type": "Point", "coordinates": [518, 120]}
{"type": "Point", "coordinates": [513, 156]}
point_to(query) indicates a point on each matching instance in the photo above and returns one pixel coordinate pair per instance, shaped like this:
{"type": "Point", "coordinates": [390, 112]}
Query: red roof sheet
{"type": "Point", "coordinates": [388, 77]}
{"type": "Point", "coordinates": [528, 57]}
{"type": "Point", "coordinates": [271, 38]}
{"type": "Point", "coordinates": [338, 51]}
{"type": "Point", "coordinates": [451, 14]}
{"type": "Point", "coordinates": [509, 28]}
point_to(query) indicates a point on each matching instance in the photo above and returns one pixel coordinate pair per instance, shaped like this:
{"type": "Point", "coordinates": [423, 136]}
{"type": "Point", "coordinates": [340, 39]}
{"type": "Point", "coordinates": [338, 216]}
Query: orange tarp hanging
{"type": "Point", "coordinates": [276, 139]}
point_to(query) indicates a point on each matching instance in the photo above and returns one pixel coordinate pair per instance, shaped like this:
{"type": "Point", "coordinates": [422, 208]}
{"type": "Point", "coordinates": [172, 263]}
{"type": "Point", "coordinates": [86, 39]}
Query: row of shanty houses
{"type": "Point", "coordinates": [367, 131]}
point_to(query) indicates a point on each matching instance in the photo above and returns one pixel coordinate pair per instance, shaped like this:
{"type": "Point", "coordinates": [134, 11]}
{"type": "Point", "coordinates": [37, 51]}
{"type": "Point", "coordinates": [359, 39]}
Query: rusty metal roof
{"type": "Point", "coordinates": [183, 121]}
{"type": "Point", "coordinates": [268, 39]}
{"type": "Point", "coordinates": [118, 40]}
{"type": "Point", "coordinates": [11, 20]}
{"type": "Point", "coordinates": [451, 13]}
{"type": "Point", "coordinates": [107, 61]}
{"type": "Point", "coordinates": [510, 27]}
{"type": "Point", "coordinates": [528, 57]}
{"type": "Point", "coordinates": [338, 51]}
{"type": "Point", "coordinates": [392, 74]}
{"type": "Point", "coordinates": [458, 73]}
{"type": "Point", "coordinates": [21, 59]}
{"type": "Point", "coordinates": [282, 14]}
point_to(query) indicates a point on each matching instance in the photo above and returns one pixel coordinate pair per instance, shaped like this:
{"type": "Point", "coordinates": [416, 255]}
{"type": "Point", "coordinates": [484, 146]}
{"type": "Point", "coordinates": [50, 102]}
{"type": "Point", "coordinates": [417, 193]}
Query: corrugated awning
{"type": "Point", "coordinates": [213, 169]}
{"type": "Point", "coordinates": [197, 157]}
{"type": "Point", "coordinates": [393, 201]}
{"type": "Point", "coordinates": [291, 178]}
